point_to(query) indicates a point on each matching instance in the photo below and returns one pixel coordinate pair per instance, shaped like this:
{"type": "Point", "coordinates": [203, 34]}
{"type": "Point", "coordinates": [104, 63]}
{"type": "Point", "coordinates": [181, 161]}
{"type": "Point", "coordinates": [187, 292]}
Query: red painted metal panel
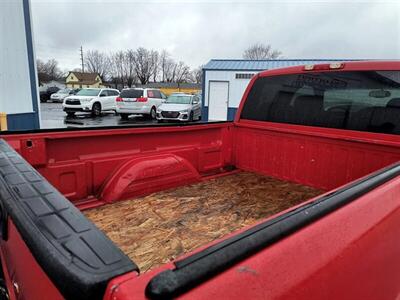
{"type": "Point", "coordinates": [141, 176]}
{"type": "Point", "coordinates": [323, 158]}
{"type": "Point", "coordinates": [78, 162]}
{"type": "Point", "coordinates": [69, 178]}
{"type": "Point", "coordinates": [35, 149]}
{"type": "Point", "coordinates": [25, 278]}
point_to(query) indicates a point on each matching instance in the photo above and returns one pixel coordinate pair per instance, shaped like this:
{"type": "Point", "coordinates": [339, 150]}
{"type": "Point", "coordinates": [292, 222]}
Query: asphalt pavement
{"type": "Point", "coordinates": [52, 116]}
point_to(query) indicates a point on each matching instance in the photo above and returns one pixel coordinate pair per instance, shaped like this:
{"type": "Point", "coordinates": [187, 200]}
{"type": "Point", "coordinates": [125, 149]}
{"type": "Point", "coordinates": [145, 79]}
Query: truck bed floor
{"type": "Point", "coordinates": [155, 229]}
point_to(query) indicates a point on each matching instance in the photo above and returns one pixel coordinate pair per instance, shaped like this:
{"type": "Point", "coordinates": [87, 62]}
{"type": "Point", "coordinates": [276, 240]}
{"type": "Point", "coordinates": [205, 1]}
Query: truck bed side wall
{"type": "Point", "coordinates": [79, 163]}
{"type": "Point", "coordinates": [319, 157]}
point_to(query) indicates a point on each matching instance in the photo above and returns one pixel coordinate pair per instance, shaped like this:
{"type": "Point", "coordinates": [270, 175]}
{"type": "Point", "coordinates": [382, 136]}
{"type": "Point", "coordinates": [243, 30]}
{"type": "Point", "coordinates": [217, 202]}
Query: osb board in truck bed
{"type": "Point", "coordinates": [155, 229]}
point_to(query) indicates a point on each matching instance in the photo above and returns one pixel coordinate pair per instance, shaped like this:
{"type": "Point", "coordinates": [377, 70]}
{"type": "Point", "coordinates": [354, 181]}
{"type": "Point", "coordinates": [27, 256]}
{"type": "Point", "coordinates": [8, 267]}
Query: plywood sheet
{"type": "Point", "coordinates": [155, 229]}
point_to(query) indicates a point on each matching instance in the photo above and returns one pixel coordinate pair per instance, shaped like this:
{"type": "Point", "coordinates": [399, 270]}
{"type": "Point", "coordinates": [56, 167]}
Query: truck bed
{"type": "Point", "coordinates": [155, 229]}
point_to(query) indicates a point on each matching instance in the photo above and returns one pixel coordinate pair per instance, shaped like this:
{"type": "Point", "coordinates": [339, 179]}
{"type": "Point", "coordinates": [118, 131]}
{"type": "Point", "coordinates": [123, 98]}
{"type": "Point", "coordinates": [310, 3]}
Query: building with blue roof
{"type": "Point", "coordinates": [225, 80]}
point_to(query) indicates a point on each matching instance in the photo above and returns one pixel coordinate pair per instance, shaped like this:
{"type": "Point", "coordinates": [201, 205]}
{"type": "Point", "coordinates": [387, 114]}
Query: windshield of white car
{"type": "Point", "coordinates": [88, 92]}
{"type": "Point", "coordinates": [64, 91]}
{"type": "Point", "coordinates": [179, 99]}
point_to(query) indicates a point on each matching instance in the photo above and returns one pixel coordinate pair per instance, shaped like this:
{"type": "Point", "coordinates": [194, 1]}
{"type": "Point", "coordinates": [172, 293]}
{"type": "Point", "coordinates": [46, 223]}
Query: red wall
{"type": "Point", "coordinates": [78, 163]}
{"type": "Point", "coordinates": [24, 277]}
{"type": "Point", "coordinates": [320, 157]}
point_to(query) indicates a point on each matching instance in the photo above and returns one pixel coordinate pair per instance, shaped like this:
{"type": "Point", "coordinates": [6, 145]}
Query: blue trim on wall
{"type": "Point", "coordinates": [231, 113]}
{"type": "Point", "coordinates": [204, 109]}
{"type": "Point", "coordinates": [22, 121]}
{"type": "Point", "coordinates": [204, 113]}
{"type": "Point", "coordinates": [35, 124]}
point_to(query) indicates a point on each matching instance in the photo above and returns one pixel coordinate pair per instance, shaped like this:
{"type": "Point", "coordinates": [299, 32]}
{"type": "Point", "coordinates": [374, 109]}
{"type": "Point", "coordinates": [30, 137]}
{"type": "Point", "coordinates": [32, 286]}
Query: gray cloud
{"type": "Point", "coordinates": [197, 31]}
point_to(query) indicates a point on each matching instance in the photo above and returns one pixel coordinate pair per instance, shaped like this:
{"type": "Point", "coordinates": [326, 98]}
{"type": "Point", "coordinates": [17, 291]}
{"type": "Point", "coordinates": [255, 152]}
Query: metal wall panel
{"type": "Point", "coordinates": [313, 158]}
{"type": "Point", "coordinates": [18, 83]}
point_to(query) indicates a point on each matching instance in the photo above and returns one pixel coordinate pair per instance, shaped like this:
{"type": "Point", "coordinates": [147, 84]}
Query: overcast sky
{"type": "Point", "coordinates": [197, 31]}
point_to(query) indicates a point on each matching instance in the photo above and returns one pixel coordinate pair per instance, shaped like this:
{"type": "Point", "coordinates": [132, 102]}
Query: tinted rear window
{"type": "Point", "coordinates": [156, 94]}
{"type": "Point", "coordinates": [364, 101]}
{"type": "Point", "coordinates": [131, 94]}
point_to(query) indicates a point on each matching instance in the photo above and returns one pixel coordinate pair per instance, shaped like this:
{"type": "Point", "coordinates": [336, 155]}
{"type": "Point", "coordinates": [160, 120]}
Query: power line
{"type": "Point", "coordinates": [83, 66]}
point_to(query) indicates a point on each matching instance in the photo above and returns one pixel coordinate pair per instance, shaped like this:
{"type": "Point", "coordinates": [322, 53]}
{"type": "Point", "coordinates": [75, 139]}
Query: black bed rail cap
{"type": "Point", "coordinates": [195, 269]}
{"type": "Point", "coordinates": [78, 258]}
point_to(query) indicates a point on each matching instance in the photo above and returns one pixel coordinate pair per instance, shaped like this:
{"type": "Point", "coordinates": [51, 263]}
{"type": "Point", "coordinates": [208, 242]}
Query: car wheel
{"type": "Point", "coordinates": [70, 114]}
{"type": "Point", "coordinates": [191, 117]}
{"type": "Point", "coordinates": [96, 109]}
{"type": "Point", "coordinates": [153, 113]}
{"type": "Point", "coordinates": [124, 116]}
{"type": "Point", "coordinates": [199, 118]}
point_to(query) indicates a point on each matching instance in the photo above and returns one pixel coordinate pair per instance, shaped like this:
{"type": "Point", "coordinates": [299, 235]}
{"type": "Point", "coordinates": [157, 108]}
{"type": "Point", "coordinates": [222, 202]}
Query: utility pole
{"type": "Point", "coordinates": [83, 66]}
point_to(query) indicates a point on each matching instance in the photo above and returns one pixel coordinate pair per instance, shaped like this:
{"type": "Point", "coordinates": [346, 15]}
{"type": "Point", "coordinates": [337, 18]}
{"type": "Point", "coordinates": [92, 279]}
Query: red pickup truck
{"type": "Point", "coordinates": [298, 198]}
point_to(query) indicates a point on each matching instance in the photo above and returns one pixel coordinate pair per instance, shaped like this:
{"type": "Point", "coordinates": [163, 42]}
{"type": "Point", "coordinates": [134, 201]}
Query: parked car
{"type": "Point", "coordinates": [74, 91]}
{"type": "Point", "coordinates": [139, 101]}
{"type": "Point", "coordinates": [45, 95]}
{"type": "Point", "coordinates": [61, 95]}
{"type": "Point", "coordinates": [180, 107]}
{"type": "Point", "coordinates": [91, 100]}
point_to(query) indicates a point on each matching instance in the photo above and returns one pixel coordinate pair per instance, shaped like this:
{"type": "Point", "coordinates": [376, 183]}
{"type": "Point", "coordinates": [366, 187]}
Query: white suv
{"type": "Point", "coordinates": [139, 101]}
{"type": "Point", "coordinates": [93, 100]}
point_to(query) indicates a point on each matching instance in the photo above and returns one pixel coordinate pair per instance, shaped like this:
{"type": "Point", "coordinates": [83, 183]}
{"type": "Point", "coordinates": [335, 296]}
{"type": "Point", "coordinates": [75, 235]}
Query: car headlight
{"type": "Point", "coordinates": [86, 99]}
{"type": "Point", "coordinates": [184, 111]}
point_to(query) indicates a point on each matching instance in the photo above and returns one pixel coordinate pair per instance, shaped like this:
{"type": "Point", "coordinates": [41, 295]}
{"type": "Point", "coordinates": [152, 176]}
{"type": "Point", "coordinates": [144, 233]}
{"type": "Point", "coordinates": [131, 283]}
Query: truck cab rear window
{"type": "Point", "coordinates": [363, 101]}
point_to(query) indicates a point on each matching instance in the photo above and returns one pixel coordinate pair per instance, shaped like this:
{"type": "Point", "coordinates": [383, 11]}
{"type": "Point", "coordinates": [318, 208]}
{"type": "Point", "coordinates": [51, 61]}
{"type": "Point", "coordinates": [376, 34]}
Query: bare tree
{"type": "Point", "coordinates": [166, 66]}
{"type": "Point", "coordinates": [197, 74]}
{"type": "Point", "coordinates": [144, 64]}
{"type": "Point", "coordinates": [155, 56]}
{"type": "Point", "coordinates": [117, 62]}
{"type": "Point", "coordinates": [171, 71]}
{"type": "Point", "coordinates": [261, 51]}
{"type": "Point", "coordinates": [122, 67]}
{"type": "Point", "coordinates": [97, 62]}
{"type": "Point", "coordinates": [48, 70]}
{"type": "Point", "coordinates": [140, 65]}
{"type": "Point", "coordinates": [170, 68]}
{"type": "Point", "coordinates": [129, 68]}
{"type": "Point", "coordinates": [181, 72]}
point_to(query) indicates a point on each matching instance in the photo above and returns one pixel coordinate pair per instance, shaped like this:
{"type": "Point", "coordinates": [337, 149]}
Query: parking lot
{"type": "Point", "coordinates": [52, 116]}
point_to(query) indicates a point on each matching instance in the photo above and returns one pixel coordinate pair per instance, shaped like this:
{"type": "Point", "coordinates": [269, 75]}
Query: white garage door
{"type": "Point", "coordinates": [218, 100]}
